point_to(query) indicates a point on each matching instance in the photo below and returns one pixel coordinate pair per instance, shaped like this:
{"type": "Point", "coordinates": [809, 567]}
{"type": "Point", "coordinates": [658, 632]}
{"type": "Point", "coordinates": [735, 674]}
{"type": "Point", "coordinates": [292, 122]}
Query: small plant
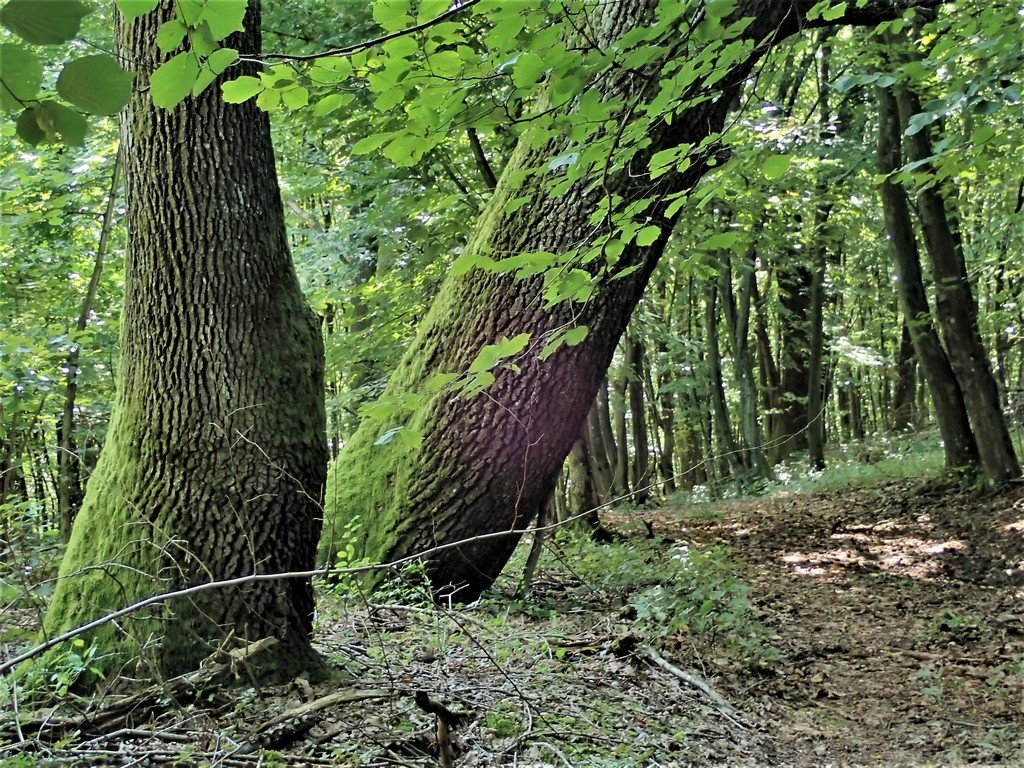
{"type": "Point", "coordinates": [503, 722]}
{"type": "Point", "coordinates": [703, 599]}
{"type": "Point", "coordinates": [962, 628]}
{"type": "Point", "coordinates": [61, 673]}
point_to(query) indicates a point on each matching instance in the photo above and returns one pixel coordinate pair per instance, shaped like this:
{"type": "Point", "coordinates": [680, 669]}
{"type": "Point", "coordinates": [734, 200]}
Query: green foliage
{"type": "Point", "coordinates": [677, 595]}
{"type": "Point", "coordinates": [77, 663]}
{"type": "Point", "coordinates": [95, 84]}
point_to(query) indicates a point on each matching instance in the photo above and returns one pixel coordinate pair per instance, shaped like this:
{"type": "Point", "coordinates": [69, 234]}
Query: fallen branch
{"type": "Point", "coordinates": [694, 681]}
{"type": "Point", "coordinates": [297, 721]}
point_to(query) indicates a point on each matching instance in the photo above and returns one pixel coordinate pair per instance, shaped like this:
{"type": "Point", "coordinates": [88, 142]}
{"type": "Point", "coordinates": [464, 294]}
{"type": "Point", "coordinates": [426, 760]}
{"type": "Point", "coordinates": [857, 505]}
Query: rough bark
{"type": "Point", "coordinates": [215, 456]}
{"type": "Point", "coordinates": [961, 451]}
{"type": "Point", "coordinates": [486, 464]}
{"type": "Point", "coordinates": [956, 309]}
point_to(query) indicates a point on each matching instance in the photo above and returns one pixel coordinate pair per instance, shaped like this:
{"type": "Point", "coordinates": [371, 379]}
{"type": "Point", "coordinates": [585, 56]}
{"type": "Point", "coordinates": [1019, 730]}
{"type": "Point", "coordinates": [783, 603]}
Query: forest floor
{"type": "Point", "coordinates": [879, 626]}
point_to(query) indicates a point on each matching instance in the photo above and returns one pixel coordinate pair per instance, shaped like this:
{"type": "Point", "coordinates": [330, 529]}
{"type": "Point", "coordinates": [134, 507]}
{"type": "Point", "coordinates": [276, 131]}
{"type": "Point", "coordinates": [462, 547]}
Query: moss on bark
{"type": "Point", "coordinates": [216, 455]}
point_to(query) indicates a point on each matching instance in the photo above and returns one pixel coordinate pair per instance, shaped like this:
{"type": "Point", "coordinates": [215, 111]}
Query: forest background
{"type": "Point", "coordinates": [835, 271]}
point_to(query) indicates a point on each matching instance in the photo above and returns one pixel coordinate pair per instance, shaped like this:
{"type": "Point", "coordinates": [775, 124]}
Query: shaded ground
{"type": "Point", "coordinates": [898, 615]}
{"type": "Point", "coordinates": [893, 635]}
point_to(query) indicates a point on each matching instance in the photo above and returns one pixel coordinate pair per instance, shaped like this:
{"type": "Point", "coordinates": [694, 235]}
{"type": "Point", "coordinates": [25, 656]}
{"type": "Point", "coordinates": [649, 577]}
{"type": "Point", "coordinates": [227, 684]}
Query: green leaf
{"type": "Point", "coordinates": [508, 347]}
{"type": "Point", "coordinates": [405, 149]}
{"type": "Point", "coordinates": [241, 89]}
{"type": "Point", "coordinates": [983, 134]}
{"type": "Point", "coordinates": [371, 143]}
{"type": "Point", "coordinates": [189, 11]}
{"type": "Point", "coordinates": [51, 122]}
{"type": "Point", "coordinates": [172, 81]}
{"type": "Point", "coordinates": [269, 100]}
{"type": "Point", "coordinates": [439, 381]}
{"type": "Point", "coordinates": [97, 84]}
{"type": "Point", "coordinates": [295, 98]}
{"type": "Point", "coordinates": [170, 35]}
{"type": "Point", "coordinates": [331, 70]}
{"type": "Point", "coordinates": [576, 335]}
{"type": "Point", "coordinates": [392, 15]}
{"type": "Point", "coordinates": [721, 241]}
{"type": "Point", "coordinates": [221, 59]}
{"type": "Point", "coordinates": [388, 435]}
{"type": "Point", "coordinates": [131, 9]}
{"type": "Point", "coordinates": [835, 12]}
{"type": "Point", "coordinates": [21, 74]}
{"type": "Point", "coordinates": [215, 64]}
{"type": "Point", "coordinates": [329, 104]}
{"type": "Point", "coordinates": [775, 167]}
{"type": "Point", "coordinates": [528, 70]}
{"type": "Point", "coordinates": [648, 235]}
{"type": "Point", "coordinates": [28, 129]}
{"type": "Point", "coordinates": [44, 23]}
{"type": "Point", "coordinates": [224, 17]}
{"type": "Point", "coordinates": [431, 9]}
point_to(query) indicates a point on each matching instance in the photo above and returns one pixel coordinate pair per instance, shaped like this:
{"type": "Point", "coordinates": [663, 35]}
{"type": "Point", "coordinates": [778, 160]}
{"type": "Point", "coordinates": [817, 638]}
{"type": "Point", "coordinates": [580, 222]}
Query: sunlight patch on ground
{"type": "Point", "coordinates": [903, 556]}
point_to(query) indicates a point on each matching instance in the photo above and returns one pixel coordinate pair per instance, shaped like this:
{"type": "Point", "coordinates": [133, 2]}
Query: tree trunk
{"type": "Point", "coordinates": [604, 414]}
{"type": "Point", "coordinates": [819, 263]}
{"type": "Point", "coordinates": [789, 433]}
{"type": "Point", "coordinates": [597, 456]}
{"type": "Point", "coordinates": [727, 448]}
{"type": "Point", "coordinates": [69, 463]}
{"type": "Point", "coordinates": [640, 470]}
{"type": "Point", "coordinates": [904, 414]}
{"type": "Point", "coordinates": [621, 437]}
{"type": "Point", "coordinates": [961, 451]}
{"type": "Point", "coordinates": [215, 456]}
{"type": "Point", "coordinates": [956, 310]}
{"type": "Point", "coordinates": [485, 464]}
{"type": "Point", "coordinates": [737, 317]}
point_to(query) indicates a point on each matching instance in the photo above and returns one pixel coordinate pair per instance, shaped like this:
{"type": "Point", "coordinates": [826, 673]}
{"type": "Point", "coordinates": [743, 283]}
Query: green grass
{"type": "Point", "coordinates": [866, 463]}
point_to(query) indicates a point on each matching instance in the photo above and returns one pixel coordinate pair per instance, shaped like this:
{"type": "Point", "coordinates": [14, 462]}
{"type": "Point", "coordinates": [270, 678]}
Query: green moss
{"type": "Point", "coordinates": [111, 552]}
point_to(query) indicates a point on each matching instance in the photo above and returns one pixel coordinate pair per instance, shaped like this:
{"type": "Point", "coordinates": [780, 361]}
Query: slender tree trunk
{"type": "Point", "coordinates": [956, 310]}
{"type": "Point", "coordinates": [794, 279]}
{"type": "Point", "coordinates": [819, 264]}
{"type": "Point", "coordinates": [215, 456]}
{"type": "Point", "coordinates": [69, 469]}
{"type": "Point", "coordinates": [621, 434]}
{"type": "Point", "coordinates": [640, 470]}
{"type": "Point", "coordinates": [961, 451]}
{"type": "Point", "coordinates": [485, 464]}
{"type": "Point", "coordinates": [723, 424]}
{"type": "Point", "coordinates": [604, 416]}
{"type": "Point", "coordinates": [904, 413]}
{"type": "Point", "coordinates": [597, 455]}
{"type": "Point", "coordinates": [737, 317]}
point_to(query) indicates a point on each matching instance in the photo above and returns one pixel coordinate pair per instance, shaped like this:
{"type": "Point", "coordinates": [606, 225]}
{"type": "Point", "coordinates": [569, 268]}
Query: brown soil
{"type": "Point", "coordinates": [898, 615]}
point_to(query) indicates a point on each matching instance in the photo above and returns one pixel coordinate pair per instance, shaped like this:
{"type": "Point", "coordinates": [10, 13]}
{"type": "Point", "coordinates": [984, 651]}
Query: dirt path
{"type": "Point", "coordinates": [898, 616]}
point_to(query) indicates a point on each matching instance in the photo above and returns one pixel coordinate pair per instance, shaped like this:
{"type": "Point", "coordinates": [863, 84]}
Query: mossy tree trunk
{"type": "Point", "coordinates": [216, 457]}
{"type": "Point", "coordinates": [486, 464]}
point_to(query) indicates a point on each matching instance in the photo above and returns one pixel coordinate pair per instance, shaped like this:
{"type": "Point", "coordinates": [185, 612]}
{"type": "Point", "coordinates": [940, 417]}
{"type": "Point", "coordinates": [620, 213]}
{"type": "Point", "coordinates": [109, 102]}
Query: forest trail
{"type": "Point", "coordinates": [898, 616]}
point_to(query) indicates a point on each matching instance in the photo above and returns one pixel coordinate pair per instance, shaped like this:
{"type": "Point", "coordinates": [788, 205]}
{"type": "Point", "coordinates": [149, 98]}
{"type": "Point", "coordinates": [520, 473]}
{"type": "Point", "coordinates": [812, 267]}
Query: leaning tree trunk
{"type": "Point", "coordinates": [961, 451]}
{"type": "Point", "coordinates": [956, 310]}
{"type": "Point", "coordinates": [215, 457]}
{"type": "Point", "coordinates": [486, 464]}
